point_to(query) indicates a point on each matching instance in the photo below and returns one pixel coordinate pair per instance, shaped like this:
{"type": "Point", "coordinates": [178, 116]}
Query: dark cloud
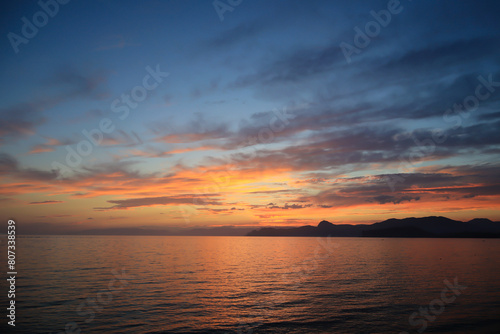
{"type": "Point", "coordinates": [78, 83]}
{"type": "Point", "coordinates": [287, 206]}
{"type": "Point", "coordinates": [23, 118]}
{"type": "Point", "coordinates": [444, 56]}
{"type": "Point", "coordinates": [489, 116]}
{"type": "Point", "coordinates": [383, 199]}
{"type": "Point", "coordinates": [377, 143]}
{"type": "Point", "coordinates": [10, 166]}
{"type": "Point", "coordinates": [8, 163]}
{"type": "Point", "coordinates": [188, 199]}
{"type": "Point", "coordinates": [46, 202]}
{"type": "Point", "coordinates": [470, 181]}
{"type": "Point", "coordinates": [298, 65]}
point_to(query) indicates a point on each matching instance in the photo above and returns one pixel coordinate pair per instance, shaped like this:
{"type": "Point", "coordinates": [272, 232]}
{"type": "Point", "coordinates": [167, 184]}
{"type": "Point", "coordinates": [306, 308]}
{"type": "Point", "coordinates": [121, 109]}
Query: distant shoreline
{"type": "Point", "coordinates": [424, 227]}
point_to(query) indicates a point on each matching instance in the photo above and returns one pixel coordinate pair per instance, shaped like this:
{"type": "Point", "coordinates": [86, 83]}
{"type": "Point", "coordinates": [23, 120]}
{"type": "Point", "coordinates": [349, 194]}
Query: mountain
{"type": "Point", "coordinates": [424, 227]}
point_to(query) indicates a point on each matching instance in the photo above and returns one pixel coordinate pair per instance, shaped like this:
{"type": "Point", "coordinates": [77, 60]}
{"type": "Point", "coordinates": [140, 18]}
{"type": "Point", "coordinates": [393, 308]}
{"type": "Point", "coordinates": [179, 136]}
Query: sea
{"type": "Point", "coordinates": [198, 284]}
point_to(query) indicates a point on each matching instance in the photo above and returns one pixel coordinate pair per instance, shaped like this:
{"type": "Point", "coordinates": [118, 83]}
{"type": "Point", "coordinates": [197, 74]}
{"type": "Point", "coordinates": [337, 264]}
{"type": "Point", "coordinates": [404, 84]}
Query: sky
{"type": "Point", "coordinates": [181, 114]}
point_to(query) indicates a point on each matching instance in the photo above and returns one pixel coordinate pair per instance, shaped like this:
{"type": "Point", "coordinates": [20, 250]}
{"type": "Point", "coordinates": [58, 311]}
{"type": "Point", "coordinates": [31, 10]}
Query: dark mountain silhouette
{"type": "Point", "coordinates": [425, 227]}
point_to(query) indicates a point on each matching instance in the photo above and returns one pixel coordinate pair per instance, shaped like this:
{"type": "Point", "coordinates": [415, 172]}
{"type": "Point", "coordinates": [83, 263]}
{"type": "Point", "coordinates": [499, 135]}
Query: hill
{"type": "Point", "coordinates": [424, 227]}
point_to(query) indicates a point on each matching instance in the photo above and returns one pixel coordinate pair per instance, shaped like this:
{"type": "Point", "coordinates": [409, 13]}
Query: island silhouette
{"type": "Point", "coordinates": [424, 227]}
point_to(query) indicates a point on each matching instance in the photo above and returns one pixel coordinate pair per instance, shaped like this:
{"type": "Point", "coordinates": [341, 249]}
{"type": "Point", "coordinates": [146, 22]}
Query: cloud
{"type": "Point", "coordinates": [23, 118]}
{"type": "Point", "coordinates": [47, 202]}
{"type": "Point", "coordinates": [220, 211]}
{"type": "Point", "coordinates": [294, 66]}
{"type": "Point", "coordinates": [197, 129]}
{"type": "Point", "coordinates": [272, 191]}
{"type": "Point", "coordinates": [437, 184]}
{"type": "Point", "coordinates": [444, 56]}
{"type": "Point", "coordinates": [10, 166]}
{"type": "Point", "coordinates": [49, 145]}
{"type": "Point", "coordinates": [287, 206]}
{"type": "Point", "coordinates": [490, 116]}
{"type": "Point", "coordinates": [383, 199]}
{"type": "Point", "coordinates": [189, 199]}
{"type": "Point", "coordinates": [74, 83]}
{"type": "Point", "coordinates": [122, 138]}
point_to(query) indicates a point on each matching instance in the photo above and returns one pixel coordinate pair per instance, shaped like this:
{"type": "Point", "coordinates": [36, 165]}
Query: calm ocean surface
{"type": "Point", "coordinates": [121, 284]}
